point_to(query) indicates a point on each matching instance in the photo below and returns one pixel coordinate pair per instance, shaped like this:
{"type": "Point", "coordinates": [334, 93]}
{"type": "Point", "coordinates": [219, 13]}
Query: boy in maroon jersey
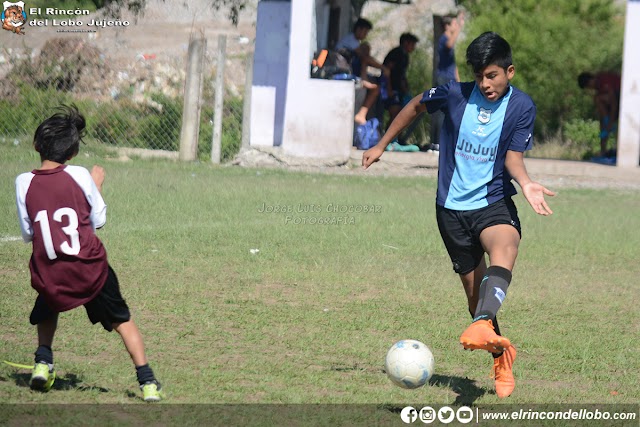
{"type": "Point", "coordinates": [59, 209]}
{"type": "Point", "coordinates": [606, 97]}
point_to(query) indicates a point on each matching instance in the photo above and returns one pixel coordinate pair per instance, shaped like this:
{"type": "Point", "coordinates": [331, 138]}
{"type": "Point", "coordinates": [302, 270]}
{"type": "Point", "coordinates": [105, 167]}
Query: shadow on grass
{"type": "Point", "coordinates": [468, 392]}
{"type": "Point", "coordinates": [466, 389]}
{"type": "Point", "coordinates": [67, 382]}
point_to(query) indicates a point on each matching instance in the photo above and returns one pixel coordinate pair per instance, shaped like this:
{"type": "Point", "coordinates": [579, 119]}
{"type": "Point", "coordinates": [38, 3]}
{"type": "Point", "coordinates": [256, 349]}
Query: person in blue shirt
{"type": "Point", "coordinates": [446, 68]}
{"type": "Point", "coordinates": [353, 47]}
{"type": "Point", "coordinates": [358, 53]}
{"type": "Point", "coordinates": [487, 128]}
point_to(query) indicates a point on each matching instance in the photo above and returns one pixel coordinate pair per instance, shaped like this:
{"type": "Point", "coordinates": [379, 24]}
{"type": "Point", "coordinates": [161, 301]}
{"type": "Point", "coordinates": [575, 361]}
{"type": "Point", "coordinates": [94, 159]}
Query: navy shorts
{"type": "Point", "coordinates": [460, 231]}
{"type": "Point", "coordinates": [108, 307]}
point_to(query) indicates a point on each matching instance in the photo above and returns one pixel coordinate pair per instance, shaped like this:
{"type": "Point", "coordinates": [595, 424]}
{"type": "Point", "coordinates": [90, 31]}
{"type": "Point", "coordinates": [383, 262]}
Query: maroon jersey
{"type": "Point", "coordinates": [59, 210]}
{"type": "Point", "coordinates": [608, 82]}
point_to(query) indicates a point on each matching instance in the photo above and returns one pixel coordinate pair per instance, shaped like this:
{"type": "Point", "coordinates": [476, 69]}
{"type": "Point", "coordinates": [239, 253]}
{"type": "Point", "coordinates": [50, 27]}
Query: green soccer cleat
{"type": "Point", "coordinates": [42, 377]}
{"type": "Point", "coordinates": [152, 391]}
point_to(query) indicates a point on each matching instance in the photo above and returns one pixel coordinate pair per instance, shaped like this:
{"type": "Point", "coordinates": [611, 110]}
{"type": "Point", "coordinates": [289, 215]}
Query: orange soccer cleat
{"type": "Point", "coordinates": [503, 372]}
{"type": "Point", "coordinates": [480, 335]}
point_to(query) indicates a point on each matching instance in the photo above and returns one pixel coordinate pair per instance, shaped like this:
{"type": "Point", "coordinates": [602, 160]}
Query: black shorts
{"type": "Point", "coordinates": [108, 307]}
{"type": "Point", "coordinates": [460, 231]}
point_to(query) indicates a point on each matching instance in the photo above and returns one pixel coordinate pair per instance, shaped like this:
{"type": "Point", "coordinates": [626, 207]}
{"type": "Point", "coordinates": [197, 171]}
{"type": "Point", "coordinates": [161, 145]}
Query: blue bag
{"type": "Point", "coordinates": [367, 135]}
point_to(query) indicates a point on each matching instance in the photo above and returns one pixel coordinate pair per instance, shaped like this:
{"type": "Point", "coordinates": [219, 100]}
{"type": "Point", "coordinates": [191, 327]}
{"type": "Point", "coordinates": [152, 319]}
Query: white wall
{"type": "Point", "coordinates": [318, 119]}
{"type": "Point", "coordinates": [629, 122]}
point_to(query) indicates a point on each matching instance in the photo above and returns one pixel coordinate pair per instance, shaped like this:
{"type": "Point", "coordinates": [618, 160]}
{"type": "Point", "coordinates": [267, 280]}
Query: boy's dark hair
{"type": "Point", "coordinates": [584, 79]}
{"type": "Point", "coordinates": [489, 49]}
{"type": "Point", "coordinates": [362, 23]}
{"type": "Point", "coordinates": [408, 37]}
{"type": "Point", "coordinates": [58, 138]}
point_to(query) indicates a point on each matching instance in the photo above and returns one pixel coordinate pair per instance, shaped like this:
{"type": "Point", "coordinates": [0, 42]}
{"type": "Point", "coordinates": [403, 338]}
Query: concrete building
{"type": "Point", "coordinates": [629, 123]}
{"type": "Point", "coordinates": [303, 117]}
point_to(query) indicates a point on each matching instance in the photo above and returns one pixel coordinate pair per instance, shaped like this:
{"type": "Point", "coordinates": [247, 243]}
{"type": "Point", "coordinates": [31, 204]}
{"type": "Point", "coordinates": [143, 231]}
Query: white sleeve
{"type": "Point", "coordinates": [23, 181]}
{"type": "Point", "coordinates": [98, 207]}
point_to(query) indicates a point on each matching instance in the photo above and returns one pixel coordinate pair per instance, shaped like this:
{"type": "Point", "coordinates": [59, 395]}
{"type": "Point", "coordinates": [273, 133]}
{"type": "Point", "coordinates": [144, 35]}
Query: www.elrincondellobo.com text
{"type": "Point", "coordinates": [569, 414]}
{"type": "Point", "coordinates": [593, 415]}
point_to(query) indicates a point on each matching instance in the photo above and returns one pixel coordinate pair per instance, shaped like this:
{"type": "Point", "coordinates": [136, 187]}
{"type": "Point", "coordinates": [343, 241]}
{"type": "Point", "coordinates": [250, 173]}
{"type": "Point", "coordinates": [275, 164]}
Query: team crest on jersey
{"type": "Point", "coordinates": [484, 116]}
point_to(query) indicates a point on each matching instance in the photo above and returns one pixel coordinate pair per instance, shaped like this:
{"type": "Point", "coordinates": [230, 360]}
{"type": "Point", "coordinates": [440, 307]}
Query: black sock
{"type": "Point", "coordinates": [496, 328]}
{"type": "Point", "coordinates": [493, 291]}
{"type": "Point", "coordinates": [144, 374]}
{"type": "Point", "coordinates": [44, 354]}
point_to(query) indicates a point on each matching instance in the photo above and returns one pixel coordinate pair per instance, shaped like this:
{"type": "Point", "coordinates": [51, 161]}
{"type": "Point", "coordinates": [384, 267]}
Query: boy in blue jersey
{"type": "Point", "coordinates": [488, 126]}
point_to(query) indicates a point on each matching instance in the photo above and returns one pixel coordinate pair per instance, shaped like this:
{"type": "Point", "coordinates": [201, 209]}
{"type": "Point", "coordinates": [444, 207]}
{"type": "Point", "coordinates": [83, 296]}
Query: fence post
{"type": "Point", "coordinates": [246, 106]}
{"type": "Point", "coordinates": [216, 142]}
{"type": "Point", "coordinates": [191, 105]}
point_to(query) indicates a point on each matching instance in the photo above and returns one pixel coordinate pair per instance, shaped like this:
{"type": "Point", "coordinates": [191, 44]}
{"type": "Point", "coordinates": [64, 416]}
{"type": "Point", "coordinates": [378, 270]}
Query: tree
{"type": "Point", "coordinates": [553, 41]}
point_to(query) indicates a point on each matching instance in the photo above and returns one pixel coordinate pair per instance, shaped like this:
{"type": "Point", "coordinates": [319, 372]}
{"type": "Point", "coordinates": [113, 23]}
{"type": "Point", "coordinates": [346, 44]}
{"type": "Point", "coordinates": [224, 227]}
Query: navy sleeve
{"type": "Point", "coordinates": [523, 135]}
{"type": "Point", "coordinates": [436, 98]}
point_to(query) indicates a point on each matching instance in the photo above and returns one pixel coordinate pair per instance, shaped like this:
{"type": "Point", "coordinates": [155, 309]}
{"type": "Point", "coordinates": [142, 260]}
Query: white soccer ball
{"type": "Point", "coordinates": [409, 364]}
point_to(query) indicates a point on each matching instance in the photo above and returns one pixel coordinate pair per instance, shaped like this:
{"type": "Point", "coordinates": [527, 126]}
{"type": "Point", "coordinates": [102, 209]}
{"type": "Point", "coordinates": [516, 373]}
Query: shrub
{"type": "Point", "coordinates": [584, 135]}
{"type": "Point", "coordinates": [231, 130]}
{"type": "Point", "coordinates": [21, 117]}
{"type": "Point", "coordinates": [552, 43]}
{"type": "Point", "coordinates": [161, 129]}
{"type": "Point", "coordinates": [118, 124]}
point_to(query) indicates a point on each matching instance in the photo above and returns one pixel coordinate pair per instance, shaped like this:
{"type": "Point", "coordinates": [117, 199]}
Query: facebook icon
{"type": "Point", "coordinates": [408, 414]}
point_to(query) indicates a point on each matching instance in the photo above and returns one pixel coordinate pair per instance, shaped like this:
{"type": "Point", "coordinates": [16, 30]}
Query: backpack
{"type": "Point", "coordinates": [367, 135]}
{"type": "Point", "coordinates": [328, 63]}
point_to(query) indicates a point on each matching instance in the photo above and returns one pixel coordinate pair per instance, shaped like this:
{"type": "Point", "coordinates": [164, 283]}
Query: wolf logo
{"type": "Point", "coordinates": [484, 116]}
{"type": "Point", "coordinates": [14, 17]}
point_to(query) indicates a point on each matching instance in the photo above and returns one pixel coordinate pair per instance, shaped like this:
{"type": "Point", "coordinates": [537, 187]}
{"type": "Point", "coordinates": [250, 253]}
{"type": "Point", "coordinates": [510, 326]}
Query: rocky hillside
{"type": "Point", "coordinates": [391, 20]}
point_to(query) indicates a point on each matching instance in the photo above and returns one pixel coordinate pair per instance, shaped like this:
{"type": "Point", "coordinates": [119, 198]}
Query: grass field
{"type": "Point", "coordinates": [237, 305]}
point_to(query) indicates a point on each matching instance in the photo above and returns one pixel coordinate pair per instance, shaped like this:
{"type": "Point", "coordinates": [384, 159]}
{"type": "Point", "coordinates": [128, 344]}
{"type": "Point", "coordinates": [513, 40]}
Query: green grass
{"type": "Point", "coordinates": [309, 318]}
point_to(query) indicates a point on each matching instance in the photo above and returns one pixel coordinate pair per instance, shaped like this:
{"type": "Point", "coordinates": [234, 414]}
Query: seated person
{"type": "Point", "coordinates": [359, 55]}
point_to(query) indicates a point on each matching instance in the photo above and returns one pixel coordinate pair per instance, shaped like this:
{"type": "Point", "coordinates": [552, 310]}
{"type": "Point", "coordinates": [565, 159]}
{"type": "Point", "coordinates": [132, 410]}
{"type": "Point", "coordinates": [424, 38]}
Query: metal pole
{"type": "Point", "coordinates": [216, 142]}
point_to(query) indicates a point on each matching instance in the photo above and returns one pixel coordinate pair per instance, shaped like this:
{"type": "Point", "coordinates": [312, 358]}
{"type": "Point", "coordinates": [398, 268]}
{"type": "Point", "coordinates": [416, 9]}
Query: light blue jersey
{"type": "Point", "coordinates": [474, 141]}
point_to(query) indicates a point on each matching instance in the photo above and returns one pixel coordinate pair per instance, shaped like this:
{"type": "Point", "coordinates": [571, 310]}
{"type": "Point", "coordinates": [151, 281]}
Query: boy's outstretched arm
{"type": "Point", "coordinates": [402, 120]}
{"type": "Point", "coordinates": [532, 191]}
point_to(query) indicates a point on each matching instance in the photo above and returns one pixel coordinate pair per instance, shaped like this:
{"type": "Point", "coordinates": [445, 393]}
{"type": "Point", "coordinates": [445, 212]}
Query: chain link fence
{"type": "Point", "coordinates": [135, 103]}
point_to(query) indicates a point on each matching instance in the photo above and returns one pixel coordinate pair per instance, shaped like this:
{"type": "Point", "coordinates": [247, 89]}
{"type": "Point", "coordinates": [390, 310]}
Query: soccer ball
{"type": "Point", "coordinates": [409, 364]}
